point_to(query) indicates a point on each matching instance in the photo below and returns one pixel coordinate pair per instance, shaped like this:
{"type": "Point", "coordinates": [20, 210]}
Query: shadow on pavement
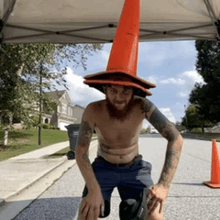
{"type": "Point", "coordinates": [191, 184]}
{"type": "Point", "coordinates": [49, 208]}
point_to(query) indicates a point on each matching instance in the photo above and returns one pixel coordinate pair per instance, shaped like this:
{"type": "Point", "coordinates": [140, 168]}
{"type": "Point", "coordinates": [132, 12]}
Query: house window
{"type": "Point", "coordinates": [64, 109]}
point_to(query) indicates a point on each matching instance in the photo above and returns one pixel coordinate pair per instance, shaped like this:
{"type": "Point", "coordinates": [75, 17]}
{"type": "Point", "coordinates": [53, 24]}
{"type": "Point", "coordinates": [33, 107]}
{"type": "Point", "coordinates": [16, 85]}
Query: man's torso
{"type": "Point", "coordinates": [118, 141]}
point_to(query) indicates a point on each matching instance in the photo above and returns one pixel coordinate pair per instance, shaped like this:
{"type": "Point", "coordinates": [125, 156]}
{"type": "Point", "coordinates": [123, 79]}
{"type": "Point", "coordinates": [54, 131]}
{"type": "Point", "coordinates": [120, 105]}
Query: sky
{"type": "Point", "coordinates": [170, 65]}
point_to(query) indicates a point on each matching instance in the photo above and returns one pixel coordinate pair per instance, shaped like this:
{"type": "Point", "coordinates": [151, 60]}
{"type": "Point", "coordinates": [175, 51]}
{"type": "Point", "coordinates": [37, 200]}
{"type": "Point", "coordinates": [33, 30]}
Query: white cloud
{"type": "Point", "coordinates": [194, 76]}
{"type": "Point", "coordinates": [173, 81]}
{"type": "Point", "coordinates": [182, 95]}
{"type": "Point", "coordinates": [81, 93]}
{"type": "Point", "coordinates": [168, 114]}
{"type": "Point", "coordinates": [152, 79]}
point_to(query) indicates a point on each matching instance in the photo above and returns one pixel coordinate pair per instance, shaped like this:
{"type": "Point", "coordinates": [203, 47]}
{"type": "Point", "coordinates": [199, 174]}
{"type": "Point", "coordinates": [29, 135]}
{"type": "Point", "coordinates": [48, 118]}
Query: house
{"type": "Point", "coordinates": [214, 129]}
{"type": "Point", "coordinates": [78, 112]}
{"type": "Point", "coordinates": [63, 114]}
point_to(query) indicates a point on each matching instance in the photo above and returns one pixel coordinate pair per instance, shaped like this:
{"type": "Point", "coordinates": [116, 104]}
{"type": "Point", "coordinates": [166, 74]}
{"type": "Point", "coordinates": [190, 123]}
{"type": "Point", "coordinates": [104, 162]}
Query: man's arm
{"type": "Point", "coordinates": [168, 131]}
{"type": "Point", "coordinates": [82, 146]}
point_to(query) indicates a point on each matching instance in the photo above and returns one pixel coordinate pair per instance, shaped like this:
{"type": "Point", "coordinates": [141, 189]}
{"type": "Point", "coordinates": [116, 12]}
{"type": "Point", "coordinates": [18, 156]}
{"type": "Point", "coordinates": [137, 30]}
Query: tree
{"type": "Point", "coordinates": [179, 126]}
{"type": "Point", "coordinates": [193, 119]}
{"type": "Point", "coordinates": [207, 96]}
{"type": "Point", "coordinates": [20, 73]}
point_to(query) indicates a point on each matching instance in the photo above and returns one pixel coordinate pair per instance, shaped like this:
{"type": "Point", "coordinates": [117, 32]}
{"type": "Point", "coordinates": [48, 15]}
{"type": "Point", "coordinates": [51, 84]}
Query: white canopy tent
{"type": "Point", "coordinates": [95, 21]}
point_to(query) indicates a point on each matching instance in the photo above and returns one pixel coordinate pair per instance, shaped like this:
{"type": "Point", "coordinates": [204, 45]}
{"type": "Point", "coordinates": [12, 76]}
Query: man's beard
{"type": "Point", "coordinates": [120, 115]}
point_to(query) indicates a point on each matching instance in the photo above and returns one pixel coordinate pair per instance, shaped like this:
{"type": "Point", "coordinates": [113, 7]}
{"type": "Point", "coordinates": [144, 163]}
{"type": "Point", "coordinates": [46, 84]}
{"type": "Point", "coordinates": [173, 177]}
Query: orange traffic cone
{"type": "Point", "coordinates": [215, 168]}
{"type": "Point", "coordinates": [123, 58]}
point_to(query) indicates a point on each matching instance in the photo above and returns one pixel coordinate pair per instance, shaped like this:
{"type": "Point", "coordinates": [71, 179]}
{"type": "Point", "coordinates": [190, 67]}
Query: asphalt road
{"type": "Point", "coordinates": [188, 198]}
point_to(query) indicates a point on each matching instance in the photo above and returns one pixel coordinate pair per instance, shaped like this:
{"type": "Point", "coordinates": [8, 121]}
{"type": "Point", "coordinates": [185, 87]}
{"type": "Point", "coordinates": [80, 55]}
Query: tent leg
{"type": "Point", "coordinates": [5, 18]}
{"type": "Point", "coordinates": [218, 29]}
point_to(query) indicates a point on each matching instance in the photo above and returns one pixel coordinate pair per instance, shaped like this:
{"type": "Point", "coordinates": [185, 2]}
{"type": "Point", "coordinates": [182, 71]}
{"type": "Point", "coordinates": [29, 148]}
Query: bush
{"type": "Point", "coordinates": [46, 126]}
{"type": "Point", "coordinates": [34, 120]}
{"type": "Point", "coordinates": [57, 128]}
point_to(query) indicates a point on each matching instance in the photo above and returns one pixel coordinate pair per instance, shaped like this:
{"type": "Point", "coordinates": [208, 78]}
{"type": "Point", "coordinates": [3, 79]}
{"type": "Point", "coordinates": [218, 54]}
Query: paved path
{"type": "Point", "coordinates": [188, 198]}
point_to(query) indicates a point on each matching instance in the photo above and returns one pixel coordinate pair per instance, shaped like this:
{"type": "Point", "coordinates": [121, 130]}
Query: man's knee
{"type": "Point", "coordinates": [106, 210]}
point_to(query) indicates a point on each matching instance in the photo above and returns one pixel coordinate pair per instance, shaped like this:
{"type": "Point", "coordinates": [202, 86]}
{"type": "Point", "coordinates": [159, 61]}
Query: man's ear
{"type": "Point", "coordinates": [104, 89]}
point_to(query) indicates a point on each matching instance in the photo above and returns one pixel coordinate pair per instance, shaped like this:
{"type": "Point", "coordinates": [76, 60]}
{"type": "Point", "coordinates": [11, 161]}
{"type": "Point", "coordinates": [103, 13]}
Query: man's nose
{"type": "Point", "coordinates": [120, 97]}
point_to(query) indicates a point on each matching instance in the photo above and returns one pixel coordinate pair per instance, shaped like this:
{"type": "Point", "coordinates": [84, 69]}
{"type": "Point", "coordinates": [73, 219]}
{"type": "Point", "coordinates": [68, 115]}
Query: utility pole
{"type": "Point", "coordinates": [186, 117]}
{"type": "Point", "coordinates": [40, 115]}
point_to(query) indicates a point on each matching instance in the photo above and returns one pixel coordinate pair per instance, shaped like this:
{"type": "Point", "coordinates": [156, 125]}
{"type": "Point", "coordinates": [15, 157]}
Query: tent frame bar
{"type": "Point", "coordinates": [5, 18]}
{"type": "Point", "coordinates": [66, 33]}
{"type": "Point", "coordinates": [173, 32]}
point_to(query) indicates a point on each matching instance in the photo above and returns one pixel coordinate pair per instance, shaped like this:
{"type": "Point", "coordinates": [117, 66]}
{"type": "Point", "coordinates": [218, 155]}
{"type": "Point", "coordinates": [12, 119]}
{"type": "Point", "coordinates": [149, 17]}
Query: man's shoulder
{"type": "Point", "coordinates": [94, 106]}
{"type": "Point", "coordinates": [146, 103]}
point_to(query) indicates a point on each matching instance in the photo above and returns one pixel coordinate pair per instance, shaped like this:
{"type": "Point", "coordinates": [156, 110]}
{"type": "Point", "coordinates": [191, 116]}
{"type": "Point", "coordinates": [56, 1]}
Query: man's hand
{"type": "Point", "coordinates": [92, 206]}
{"type": "Point", "coordinates": [157, 196]}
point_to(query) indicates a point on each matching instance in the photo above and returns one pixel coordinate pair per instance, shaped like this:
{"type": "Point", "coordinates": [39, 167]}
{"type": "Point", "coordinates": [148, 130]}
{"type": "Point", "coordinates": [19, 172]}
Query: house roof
{"type": "Point", "coordinates": [56, 94]}
{"type": "Point", "coordinates": [78, 106]}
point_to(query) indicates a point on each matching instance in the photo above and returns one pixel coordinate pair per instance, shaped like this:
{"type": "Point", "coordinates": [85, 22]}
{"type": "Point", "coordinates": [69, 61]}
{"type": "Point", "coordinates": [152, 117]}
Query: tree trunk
{"type": "Point", "coordinates": [40, 116]}
{"type": "Point", "coordinates": [5, 138]}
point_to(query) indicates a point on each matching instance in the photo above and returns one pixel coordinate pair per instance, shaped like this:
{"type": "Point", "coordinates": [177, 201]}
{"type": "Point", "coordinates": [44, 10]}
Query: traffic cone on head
{"type": "Point", "coordinates": [122, 65]}
{"type": "Point", "coordinates": [215, 168]}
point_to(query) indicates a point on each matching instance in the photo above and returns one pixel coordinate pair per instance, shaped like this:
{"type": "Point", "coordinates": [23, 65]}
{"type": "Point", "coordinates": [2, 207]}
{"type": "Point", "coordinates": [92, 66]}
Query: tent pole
{"type": "Point", "coordinates": [5, 18]}
{"type": "Point", "coordinates": [214, 19]}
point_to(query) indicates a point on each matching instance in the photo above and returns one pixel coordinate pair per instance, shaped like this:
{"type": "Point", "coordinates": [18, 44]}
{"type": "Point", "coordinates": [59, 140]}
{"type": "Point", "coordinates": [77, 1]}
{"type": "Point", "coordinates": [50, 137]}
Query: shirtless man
{"type": "Point", "coordinates": [118, 120]}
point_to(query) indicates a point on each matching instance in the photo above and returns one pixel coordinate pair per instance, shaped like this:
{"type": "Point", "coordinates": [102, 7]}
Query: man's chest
{"type": "Point", "coordinates": [114, 132]}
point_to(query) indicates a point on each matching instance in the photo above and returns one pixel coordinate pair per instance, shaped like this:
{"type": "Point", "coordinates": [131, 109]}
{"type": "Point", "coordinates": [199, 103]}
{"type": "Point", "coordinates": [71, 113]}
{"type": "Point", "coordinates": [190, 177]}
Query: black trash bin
{"type": "Point", "coordinates": [73, 133]}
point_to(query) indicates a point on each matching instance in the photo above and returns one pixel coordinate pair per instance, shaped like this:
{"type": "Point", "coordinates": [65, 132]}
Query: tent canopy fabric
{"type": "Point", "coordinates": [95, 21]}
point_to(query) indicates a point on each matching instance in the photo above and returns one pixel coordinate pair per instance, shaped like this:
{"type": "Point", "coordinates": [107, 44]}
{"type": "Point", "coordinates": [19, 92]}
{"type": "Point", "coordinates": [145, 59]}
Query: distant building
{"type": "Point", "coordinates": [153, 130]}
{"type": "Point", "coordinates": [78, 112]}
{"type": "Point", "coordinates": [63, 113]}
{"type": "Point", "coordinates": [215, 129]}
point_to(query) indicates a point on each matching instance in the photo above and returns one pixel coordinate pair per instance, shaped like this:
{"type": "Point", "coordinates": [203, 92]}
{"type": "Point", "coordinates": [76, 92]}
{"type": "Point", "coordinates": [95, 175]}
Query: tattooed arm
{"type": "Point", "coordinates": [168, 131]}
{"type": "Point", "coordinates": [82, 146]}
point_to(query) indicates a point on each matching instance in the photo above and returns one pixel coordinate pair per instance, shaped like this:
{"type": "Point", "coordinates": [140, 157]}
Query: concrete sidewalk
{"type": "Point", "coordinates": [23, 171]}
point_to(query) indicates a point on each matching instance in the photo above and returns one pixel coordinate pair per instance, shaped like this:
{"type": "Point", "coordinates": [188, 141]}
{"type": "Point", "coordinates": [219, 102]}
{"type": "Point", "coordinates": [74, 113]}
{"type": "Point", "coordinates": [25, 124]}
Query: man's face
{"type": "Point", "coordinates": [119, 101]}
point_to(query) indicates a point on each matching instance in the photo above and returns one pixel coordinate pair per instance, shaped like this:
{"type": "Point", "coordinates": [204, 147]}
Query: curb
{"type": "Point", "coordinates": [3, 201]}
{"type": "Point", "coordinates": [20, 191]}
{"type": "Point", "coordinates": [201, 138]}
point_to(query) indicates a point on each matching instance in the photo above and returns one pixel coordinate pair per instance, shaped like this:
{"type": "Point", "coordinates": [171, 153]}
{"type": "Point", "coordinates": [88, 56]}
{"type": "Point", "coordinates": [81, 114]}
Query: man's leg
{"type": "Point", "coordinates": [107, 180]}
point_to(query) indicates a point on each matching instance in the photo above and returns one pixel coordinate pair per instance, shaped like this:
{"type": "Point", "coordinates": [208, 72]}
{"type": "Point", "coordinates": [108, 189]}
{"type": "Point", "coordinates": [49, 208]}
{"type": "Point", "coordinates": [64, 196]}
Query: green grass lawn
{"type": "Point", "coordinates": [22, 141]}
{"type": "Point", "coordinates": [208, 135]}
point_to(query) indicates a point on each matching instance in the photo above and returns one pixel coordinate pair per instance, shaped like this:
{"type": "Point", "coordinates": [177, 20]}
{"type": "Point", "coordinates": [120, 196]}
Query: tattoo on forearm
{"type": "Point", "coordinates": [85, 134]}
{"type": "Point", "coordinates": [171, 162]}
{"type": "Point", "coordinates": [169, 131]}
{"type": "Point", "coordinates": [87, 161]}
